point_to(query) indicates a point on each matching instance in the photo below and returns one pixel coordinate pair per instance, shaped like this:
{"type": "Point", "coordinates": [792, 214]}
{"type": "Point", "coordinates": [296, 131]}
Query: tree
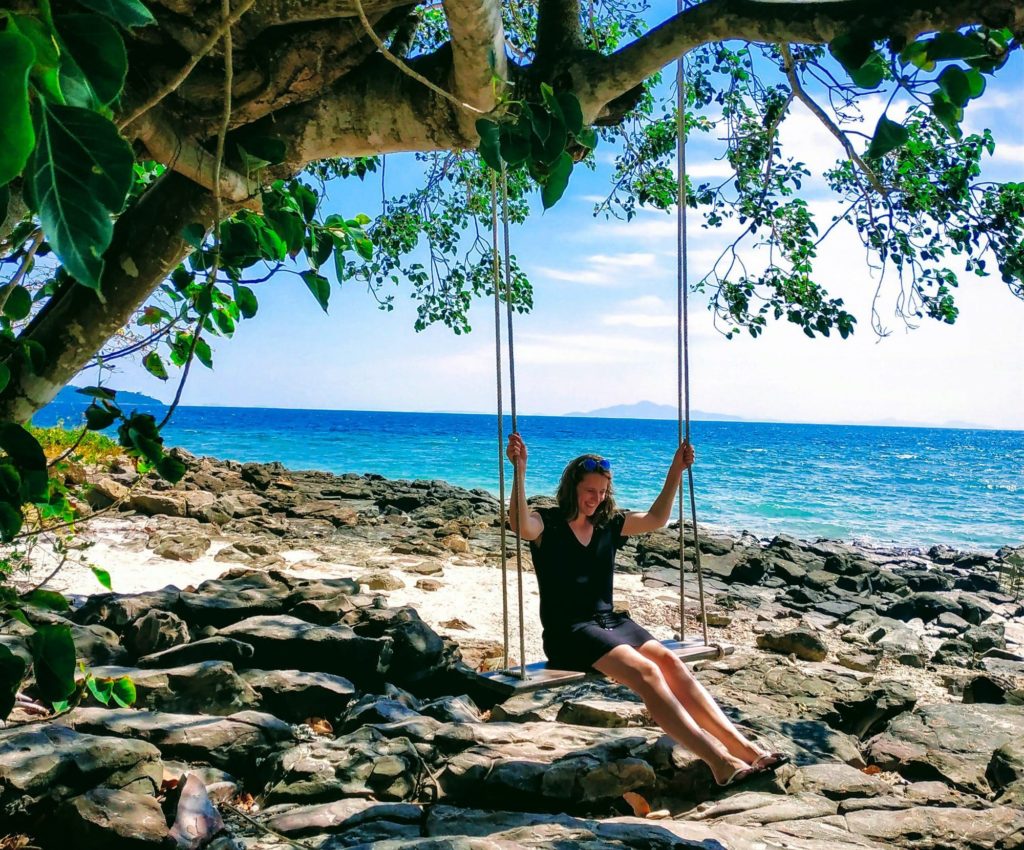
{"type": "Point", "coordinates": [152, 155]}
{"type": "Point", "coordinates": [288, 87]}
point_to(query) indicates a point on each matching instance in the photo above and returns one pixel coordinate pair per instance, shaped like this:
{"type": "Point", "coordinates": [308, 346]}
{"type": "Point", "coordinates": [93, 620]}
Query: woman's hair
{"type": "Point", "coordinates": [572, 475]}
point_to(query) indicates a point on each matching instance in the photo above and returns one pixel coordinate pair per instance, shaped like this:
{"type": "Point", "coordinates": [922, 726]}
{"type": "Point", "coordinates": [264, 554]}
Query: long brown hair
{"type": "Point", "coordinates": [566, 494]}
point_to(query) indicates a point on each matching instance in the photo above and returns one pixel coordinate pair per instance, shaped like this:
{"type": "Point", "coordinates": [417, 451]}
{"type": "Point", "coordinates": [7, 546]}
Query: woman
{"type": "Point", "coordinates": [573, 547]}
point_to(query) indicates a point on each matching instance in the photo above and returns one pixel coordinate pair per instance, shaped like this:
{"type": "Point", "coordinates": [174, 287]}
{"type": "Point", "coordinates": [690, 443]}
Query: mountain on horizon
{"type": "Point", "coordinates": [124, 398]}
{"type": "Point", "coordinates": [650, 410]}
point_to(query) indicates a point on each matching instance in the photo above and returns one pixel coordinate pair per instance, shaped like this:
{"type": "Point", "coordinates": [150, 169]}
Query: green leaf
{"type": "Point", "coordinates": [514, 141]}
{"type": "Point", "coordinates": [5, 201]}
{"type": "Point", "coordinates": [888, 136]}
{"type": "Point", "coordinates": [851, 51]}
{"type": "Point", "coordinates": [307, 200]}
{"type": "Point", "coordinates": [100, 688]}
{"type": "Point", "coordinates": [12, 671]}
{"type": "Point", "coordinates": [948, 113]}
{"type": "Point", "coordinates": [490, 143]}
{"type": "Point", "coordinates": [953, 81]}
{"type": "Point", "coordinates": [194, 234]}
{"type": "Point", "coordinates": [245, 298]}
{"type": "Point", "coordinates": [587, 137]}
{"type": "Point", "coordinates": [27, 455]}
{"type": "Point", "coordinates": [955, 45]}
{"type": "Point", "coordinates": [123, 692]}
{"type": "Point", "coordinates": [572, 112]}
{"type": "Point", "coordinates": [18, 304]}
{"type": "Point", "coordinates": [10, 483]}
{"type": "Point", "coordinates": [17, 137]}
{"type": "Point", "coordinates": [154, 364]}
{"type": "Point", "coordinates": [5, 376]}
{"type": "Point", "coordinates": [11, 520]}
{"type": "Point", "coordinates": [97, 418]}
{"type": "Point", "coordinates": [48, 600]}
{"type": "Point", "coordinates": [53, 654]}
{"type": "Point", "coordinates": [290, 227]}
{"type": "Point", "coordinates": [99, 54]}
{"type": "Point", "coordinates": [33, 355]}
{"type": "Point", "coordinates": [319, 286]}
{"type": "Point", "coordinates": [364, 247]}
{"type": "Point", "coordinates": [127, 13]}
{"type": "Point", "coordinates": [82, 171]}
{"type": "Point", "coordinates": [557, 181]}
{"type": "Point", "coordinates": [103, 577]}
{"type": "Point", "coordinates": [45, 70]}
{"type": "Point", "coordinates": [203, 353]}
{"type": "Point", "coordinates": [171, 469]}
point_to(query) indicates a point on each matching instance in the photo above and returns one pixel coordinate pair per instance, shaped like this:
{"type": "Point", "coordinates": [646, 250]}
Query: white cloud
{"type": "Point", "coordinates": [603, 269]}
{"type": "Point", "coordinates": [639, 320]}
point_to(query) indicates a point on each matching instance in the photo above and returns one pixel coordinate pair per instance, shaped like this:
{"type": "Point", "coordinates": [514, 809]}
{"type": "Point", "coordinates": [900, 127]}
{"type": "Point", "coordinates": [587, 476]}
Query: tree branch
{"type": "Point", "coordinates": [188, 157]}
{"type": "Point", "coordinates": [600, 80]}
{"type": "Point", "coordinates": [75, 323]}
{"type": "Point", "coordinates": [823, 117]}
{"type": "Point", "coordinates": [558, 30]}
{"type": "Point", "coordinates": [478, 54]}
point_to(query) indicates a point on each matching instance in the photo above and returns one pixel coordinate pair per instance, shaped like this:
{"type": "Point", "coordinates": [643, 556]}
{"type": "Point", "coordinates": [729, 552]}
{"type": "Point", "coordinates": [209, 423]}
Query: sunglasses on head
{"type": "Point", "coordinates": [589, 464]}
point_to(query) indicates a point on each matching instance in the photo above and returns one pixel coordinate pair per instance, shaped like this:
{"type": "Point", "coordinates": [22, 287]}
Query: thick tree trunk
{"type": "Point", "coordinates": [76, 323]}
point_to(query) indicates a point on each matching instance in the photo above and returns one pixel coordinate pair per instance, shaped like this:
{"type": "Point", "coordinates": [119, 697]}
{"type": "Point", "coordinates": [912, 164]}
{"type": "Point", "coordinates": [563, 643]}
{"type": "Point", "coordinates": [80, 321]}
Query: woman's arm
{"type": "Point", "coordinates": [637, 522]}
{"type": "Point", "coordinates": [532, 526]}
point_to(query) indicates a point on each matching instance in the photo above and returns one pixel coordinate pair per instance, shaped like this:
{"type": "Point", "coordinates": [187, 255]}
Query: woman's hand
{"type": "Point", "coordinates": [516, 450]}
{"type": "Point", "coordinates": [684, 456]}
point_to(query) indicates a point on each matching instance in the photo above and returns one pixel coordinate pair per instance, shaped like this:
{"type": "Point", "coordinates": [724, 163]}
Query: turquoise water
{"type": "Point", "coordinates": [902, 486]}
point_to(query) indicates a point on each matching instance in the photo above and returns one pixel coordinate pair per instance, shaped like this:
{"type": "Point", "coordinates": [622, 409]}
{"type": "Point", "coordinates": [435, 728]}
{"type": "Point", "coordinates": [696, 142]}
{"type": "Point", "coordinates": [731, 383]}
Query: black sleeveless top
{"type": "Point", "coordinates": [575, 581]}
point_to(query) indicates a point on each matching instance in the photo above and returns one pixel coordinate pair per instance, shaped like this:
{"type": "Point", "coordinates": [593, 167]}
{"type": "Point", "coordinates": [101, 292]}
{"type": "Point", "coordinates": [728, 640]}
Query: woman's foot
{"type": "Point", "coordinates": [730, 771]}
{"type": "Point", "coordinates": [771, 761]}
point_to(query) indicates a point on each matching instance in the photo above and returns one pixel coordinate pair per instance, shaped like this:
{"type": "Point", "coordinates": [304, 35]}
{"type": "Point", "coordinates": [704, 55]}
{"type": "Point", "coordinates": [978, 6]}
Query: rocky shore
{"type": "Point", "coordinates": [289, 695]}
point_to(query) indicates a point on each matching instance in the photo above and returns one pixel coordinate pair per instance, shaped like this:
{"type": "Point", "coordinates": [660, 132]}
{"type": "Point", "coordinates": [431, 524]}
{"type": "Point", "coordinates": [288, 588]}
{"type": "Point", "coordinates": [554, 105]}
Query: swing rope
{"type": "Point", "coordinates": [496, 275]}
{"type": "Point", "coordinates": [496, 281]}
{"type": "Point", "coordinates": [683, 352]}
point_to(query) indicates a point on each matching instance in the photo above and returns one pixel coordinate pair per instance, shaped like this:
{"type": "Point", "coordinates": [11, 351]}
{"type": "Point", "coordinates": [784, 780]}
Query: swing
{"type": "Point", "coordinates": [531, 677]}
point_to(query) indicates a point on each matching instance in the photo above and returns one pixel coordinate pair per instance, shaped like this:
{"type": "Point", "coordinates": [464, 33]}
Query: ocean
{"type": "Point", "coordinates": [905, 487]}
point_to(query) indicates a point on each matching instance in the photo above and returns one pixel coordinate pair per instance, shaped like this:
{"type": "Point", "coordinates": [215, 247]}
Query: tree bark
{"type": "Point", "coordinates": [76, 323]}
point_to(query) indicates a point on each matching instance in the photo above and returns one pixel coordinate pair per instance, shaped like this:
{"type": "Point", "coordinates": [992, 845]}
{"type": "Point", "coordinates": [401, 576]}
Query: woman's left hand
{"type": "Point", "coordinates": [684, 457]}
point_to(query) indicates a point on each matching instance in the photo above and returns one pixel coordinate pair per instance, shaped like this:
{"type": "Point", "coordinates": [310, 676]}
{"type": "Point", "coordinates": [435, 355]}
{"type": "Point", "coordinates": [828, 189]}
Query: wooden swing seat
{"type": "Point", "coordinates": [538, 675]}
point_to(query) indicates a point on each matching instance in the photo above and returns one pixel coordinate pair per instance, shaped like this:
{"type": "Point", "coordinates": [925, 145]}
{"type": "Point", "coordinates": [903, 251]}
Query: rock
{"type": "Point", "coordinates": [196, 819]}
{"type": "Point", "coordinates": [97, 645]}
{"type": "Point", "coordinates": [606, 714]}
{"type": "Point", "coordinates": [820, 579]}
{"type": "Point", "coordinates": [155, 631]}
{"type": "Point", "coordinates": [988, 688]}
{"type": "Point", "coordinates": [952, 742]}
{"type": "Point", "coordinates": [285, 642]}
{"type": "Point", "coordinates": [337, 514]}
{"type": "Point", "coordinates": [179, 545]}
{"type": "Point", "coordinates": [1006, 767]}
{"type": "Point", "coordinates": [974, 609]}
{"type": "Point", "coordinates": [864, 662]}
{"type": "Point", "coordinates": [208, 687]}
{"type": "Point", "coordinates": [925, 828]}
{"type": "Point", "coordinates": [43, 764]}
{"type": "Point", "coordinates": [955, 653]}
{"type": "Point", "coordinates": [986, 637]}
{"type": "Point", "coordinates": [295, 695]}
{"type": "Point", "coordinates": [115, 611]}
{"type": "Point", "coordinates": [460, 709]}
{"type": "Point", "coordinates": [949, 620]}
{"type": "Point", "coordinates": [104, 492]}
{"type": "Point", "coordinates": [165, 504]}
{"type": "Point", "coordinates": [802, 643]}
{"type": "Point", "coordinates": [428, 584]}
{"type": "Point", "coordinates": [235, 596]}
{"type": "Point", "coordinates": [382, 581]}
{"type": "Point", "coordinates": [208, 649]}
{"type": "Point", "coordinates": [325, 612]}
{"type": "Point", "coordinates": [364, 763]}
{"type": "Point", "coordinates": [361, 821]}
{"type": "Point", "coordinates": [111, 819]}
{"type": "Point", "coordinates": [836, 781]}
{"type": "Point", "coordinates": [239, 743]}
{"type": "Point", "coordinates": [928, 606]}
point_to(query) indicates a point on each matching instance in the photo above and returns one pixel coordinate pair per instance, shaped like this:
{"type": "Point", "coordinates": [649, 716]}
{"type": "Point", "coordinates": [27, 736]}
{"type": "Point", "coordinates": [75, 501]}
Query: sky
{"type": "Point", "coordinates": [603, 328]}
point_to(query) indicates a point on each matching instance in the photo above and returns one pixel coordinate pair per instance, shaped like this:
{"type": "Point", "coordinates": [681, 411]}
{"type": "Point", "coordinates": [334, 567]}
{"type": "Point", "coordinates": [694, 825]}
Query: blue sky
{"type": "Point", "coordinates": [602, 331]}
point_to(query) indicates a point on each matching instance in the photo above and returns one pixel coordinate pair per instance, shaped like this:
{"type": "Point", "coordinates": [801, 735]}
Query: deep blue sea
{"type": "Point", "coordinates": [900, 486]}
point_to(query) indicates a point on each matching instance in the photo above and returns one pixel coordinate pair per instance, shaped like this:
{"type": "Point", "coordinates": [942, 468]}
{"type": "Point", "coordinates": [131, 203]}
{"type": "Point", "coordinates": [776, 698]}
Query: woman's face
{"type": "Point", "coordinates": [590, 492]}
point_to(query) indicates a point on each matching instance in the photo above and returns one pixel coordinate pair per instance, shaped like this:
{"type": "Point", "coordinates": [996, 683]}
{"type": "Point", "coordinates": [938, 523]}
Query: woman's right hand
{"type": "Point", "coordinates": [516, 450]}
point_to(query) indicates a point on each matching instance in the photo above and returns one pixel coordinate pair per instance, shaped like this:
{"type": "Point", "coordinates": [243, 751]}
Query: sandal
{"type": "Point", "coordinates": [771, 761]}
{"type": "Point", "coordinates": [742, 774]}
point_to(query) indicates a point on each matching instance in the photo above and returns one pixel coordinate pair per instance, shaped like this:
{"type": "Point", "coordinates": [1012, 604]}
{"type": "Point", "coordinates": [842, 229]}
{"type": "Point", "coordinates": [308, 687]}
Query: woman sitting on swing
{"type": "Point", "coordinates": [573, 547]}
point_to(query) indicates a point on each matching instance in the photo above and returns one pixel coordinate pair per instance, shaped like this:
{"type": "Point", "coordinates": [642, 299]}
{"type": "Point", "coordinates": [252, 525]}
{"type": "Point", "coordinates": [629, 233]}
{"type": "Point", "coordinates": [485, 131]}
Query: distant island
{"type": "Point", "coordinates": [650, 410]}
{"type": "Point", "coordinates": [124, 398]}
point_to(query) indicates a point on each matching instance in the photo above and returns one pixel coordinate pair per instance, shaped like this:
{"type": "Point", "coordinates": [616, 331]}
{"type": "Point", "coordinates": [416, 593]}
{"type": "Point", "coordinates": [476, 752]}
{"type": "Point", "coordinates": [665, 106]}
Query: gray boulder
{"type": "Point", "coordinates": [802, 643]}
{"type": "Point", "coordinates": [110, 819]}
{"type": "Point", "coordinates": [155, 631]}
{"type": "Point", "coordinates": [297, 695]}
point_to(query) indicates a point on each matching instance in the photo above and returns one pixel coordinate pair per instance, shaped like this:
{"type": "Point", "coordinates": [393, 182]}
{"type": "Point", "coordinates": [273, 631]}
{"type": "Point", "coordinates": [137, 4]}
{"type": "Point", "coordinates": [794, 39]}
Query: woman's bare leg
{"type": "Point", "coordinates": [701, 706]}
{"type": "Point", "coordinates": [626, 665]}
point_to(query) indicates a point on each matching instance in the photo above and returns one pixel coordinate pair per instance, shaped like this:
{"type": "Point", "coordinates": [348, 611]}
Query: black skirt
{"type": "Point", "coordinates": [578, 647]}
